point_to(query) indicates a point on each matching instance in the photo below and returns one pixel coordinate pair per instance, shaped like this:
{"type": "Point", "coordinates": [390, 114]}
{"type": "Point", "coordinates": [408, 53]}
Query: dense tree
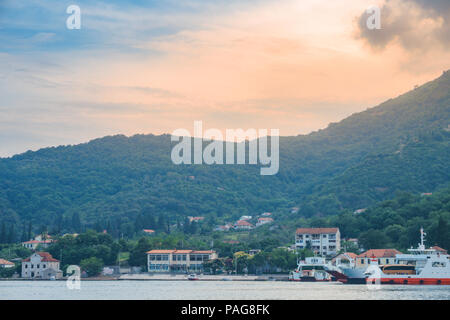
{"type": "Point", "coordinates": [137, 254]}
{"type": "Point", "coordinates": [93, 266]}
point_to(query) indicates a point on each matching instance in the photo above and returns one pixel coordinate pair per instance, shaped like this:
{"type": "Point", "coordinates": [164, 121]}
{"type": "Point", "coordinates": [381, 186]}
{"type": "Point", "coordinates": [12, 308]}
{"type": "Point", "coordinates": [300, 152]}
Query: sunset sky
{"type": "Point", "coordinates": [155, 66]}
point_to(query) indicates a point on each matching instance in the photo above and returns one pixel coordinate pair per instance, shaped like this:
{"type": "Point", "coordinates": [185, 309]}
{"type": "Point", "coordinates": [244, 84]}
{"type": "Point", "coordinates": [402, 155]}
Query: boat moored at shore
{"type": "Point", "coordinates": [311, 270]}
{"type": "Point", "coordinates": [420, 266]}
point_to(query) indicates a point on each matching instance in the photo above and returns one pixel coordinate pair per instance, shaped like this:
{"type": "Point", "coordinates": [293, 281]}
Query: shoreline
{"type": "Point", "coordinates": [167, 277]}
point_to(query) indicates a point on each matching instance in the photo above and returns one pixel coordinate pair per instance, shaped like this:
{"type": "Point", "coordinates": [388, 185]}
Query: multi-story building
{"type": "Point", "coordinates": [41, 265]}
{"type": "Point", "coordinates": [323, 241]}
{"type": "Point", "coordinates": [383, 256]}
{"type": "Point", "coordinates": [178, 260]}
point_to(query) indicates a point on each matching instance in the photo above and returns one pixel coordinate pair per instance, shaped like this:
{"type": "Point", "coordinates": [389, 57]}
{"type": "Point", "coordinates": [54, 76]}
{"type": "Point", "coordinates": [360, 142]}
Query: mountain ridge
{"type": "Point", "coordinates": [118, 178]}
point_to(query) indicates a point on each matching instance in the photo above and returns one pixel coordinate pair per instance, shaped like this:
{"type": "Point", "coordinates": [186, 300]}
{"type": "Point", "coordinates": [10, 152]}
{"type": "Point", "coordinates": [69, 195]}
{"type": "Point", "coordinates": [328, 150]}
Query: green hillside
{"type": "Point", "coordinates": [125, 184]}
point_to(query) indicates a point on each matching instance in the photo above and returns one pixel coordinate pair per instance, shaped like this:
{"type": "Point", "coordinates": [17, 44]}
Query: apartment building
{"type": "Point", "coordinates": [178, 260]}
{"type": "Point", "coordinates": [323, 241]}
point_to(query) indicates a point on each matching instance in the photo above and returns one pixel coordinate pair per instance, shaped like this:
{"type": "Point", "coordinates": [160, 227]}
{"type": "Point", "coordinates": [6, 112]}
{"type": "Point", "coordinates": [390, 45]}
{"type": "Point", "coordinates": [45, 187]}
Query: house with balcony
{"type": "Point", "coordinates": [181, 261]}
{"type": "Point", "coordinates": [322, 241]}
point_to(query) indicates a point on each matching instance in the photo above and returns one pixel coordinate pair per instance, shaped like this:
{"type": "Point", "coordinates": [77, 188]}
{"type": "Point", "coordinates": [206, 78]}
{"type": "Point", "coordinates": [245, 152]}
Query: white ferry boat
{"type": "Point", "coordinates": [420, 266]}
{"type": "Point", "coordinates": [344, 269]}
{"type": "Point", "coordinates": [311, 270]}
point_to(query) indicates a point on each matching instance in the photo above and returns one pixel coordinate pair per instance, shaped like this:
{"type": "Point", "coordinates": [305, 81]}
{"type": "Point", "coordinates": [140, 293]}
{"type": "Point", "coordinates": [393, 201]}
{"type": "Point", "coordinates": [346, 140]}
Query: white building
{"type": "Point", "coordinates": [323, 241]}
{"type": "Point", "coordinates": [33, 244]}
{"type": "Point", "coordinates": [243, 225]}
{"type": "Point", "coordinates": [262, 221]}
{"type": "Point", "coordinates": [6, 264]}
{"type": "Point", "coordinates": [41, 265]}
{"type": "Point", "coordinates": [178, 260]}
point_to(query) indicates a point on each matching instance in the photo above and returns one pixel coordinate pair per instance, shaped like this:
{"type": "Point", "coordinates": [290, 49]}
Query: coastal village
{"type": "Point", "coordinates": [325, 244]}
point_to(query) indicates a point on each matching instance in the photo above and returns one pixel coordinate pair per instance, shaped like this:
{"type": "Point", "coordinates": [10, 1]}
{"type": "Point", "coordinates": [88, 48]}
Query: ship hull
{"type": "Point", "coordinates": [410, 281]}
{"type": "Point", "coordinates": [353, 276]}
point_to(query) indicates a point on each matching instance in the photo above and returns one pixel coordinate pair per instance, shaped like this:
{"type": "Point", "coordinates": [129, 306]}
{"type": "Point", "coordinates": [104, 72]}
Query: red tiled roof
{"type": "Point", "coordinates": [159, 251]}
{"type": "Point", "coordinates": [182, 251]}
{"type": "Point", "coordinates": [439, 249]}
{"type": "Point", "coordinates": [37, 241]}
{"type": "Point", "coordinates": [316, 230]}
{"type": "Point", "coordinates": [203, 251]}
{"type": "Point", "coordinates": [379, 253]}
{"type": "Point", "coordinates": [6, 262]}
{"type": "Point", "coordinates": [265, 219]}
{"type": "Point", "coordinates": [243, 223]}
{"type": "Point", "coordinates": [46, 257]}
{"type": "Point", "coordinates": [178, 251]}
{"type": "Point", "coordinates": [149, 230]}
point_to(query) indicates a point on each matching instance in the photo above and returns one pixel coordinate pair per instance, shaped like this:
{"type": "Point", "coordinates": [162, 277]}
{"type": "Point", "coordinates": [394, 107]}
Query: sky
{"type": "Point", "coordinates": [139, 67]}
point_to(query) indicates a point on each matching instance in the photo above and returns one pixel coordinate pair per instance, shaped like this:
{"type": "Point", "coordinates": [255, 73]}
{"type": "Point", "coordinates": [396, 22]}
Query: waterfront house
{"type": "Point", "coordinates": [322, 241]}
{"type": "Point", "coordinates": [6, 264]}
{"type": "Point", "coordinates": [243, 225]}
{"type": "Point", "coordinates": [383, 256]}
{"type": "Point", "coordinates": [41, 265]}
{"type": "Point", "coordinates": [178, 260]}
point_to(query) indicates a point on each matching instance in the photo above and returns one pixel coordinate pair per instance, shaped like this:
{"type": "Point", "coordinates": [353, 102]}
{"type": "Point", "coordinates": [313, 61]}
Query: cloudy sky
{"type": "Point", "coordinates": [155, 66]}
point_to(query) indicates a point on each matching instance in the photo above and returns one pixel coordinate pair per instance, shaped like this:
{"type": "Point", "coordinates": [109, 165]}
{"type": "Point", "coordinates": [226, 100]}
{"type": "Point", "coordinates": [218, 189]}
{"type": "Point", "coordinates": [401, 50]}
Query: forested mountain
{"type": "Point", "coordinates": [125, 184]}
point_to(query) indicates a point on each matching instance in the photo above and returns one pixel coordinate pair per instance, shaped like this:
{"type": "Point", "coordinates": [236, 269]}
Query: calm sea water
{"type": "Point", "coordinates": [204, 290]}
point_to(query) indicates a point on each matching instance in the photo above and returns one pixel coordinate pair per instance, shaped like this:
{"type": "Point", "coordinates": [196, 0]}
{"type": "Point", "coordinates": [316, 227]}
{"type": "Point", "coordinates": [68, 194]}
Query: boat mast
{"type": "Point", "coordinates": [422, 239]}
